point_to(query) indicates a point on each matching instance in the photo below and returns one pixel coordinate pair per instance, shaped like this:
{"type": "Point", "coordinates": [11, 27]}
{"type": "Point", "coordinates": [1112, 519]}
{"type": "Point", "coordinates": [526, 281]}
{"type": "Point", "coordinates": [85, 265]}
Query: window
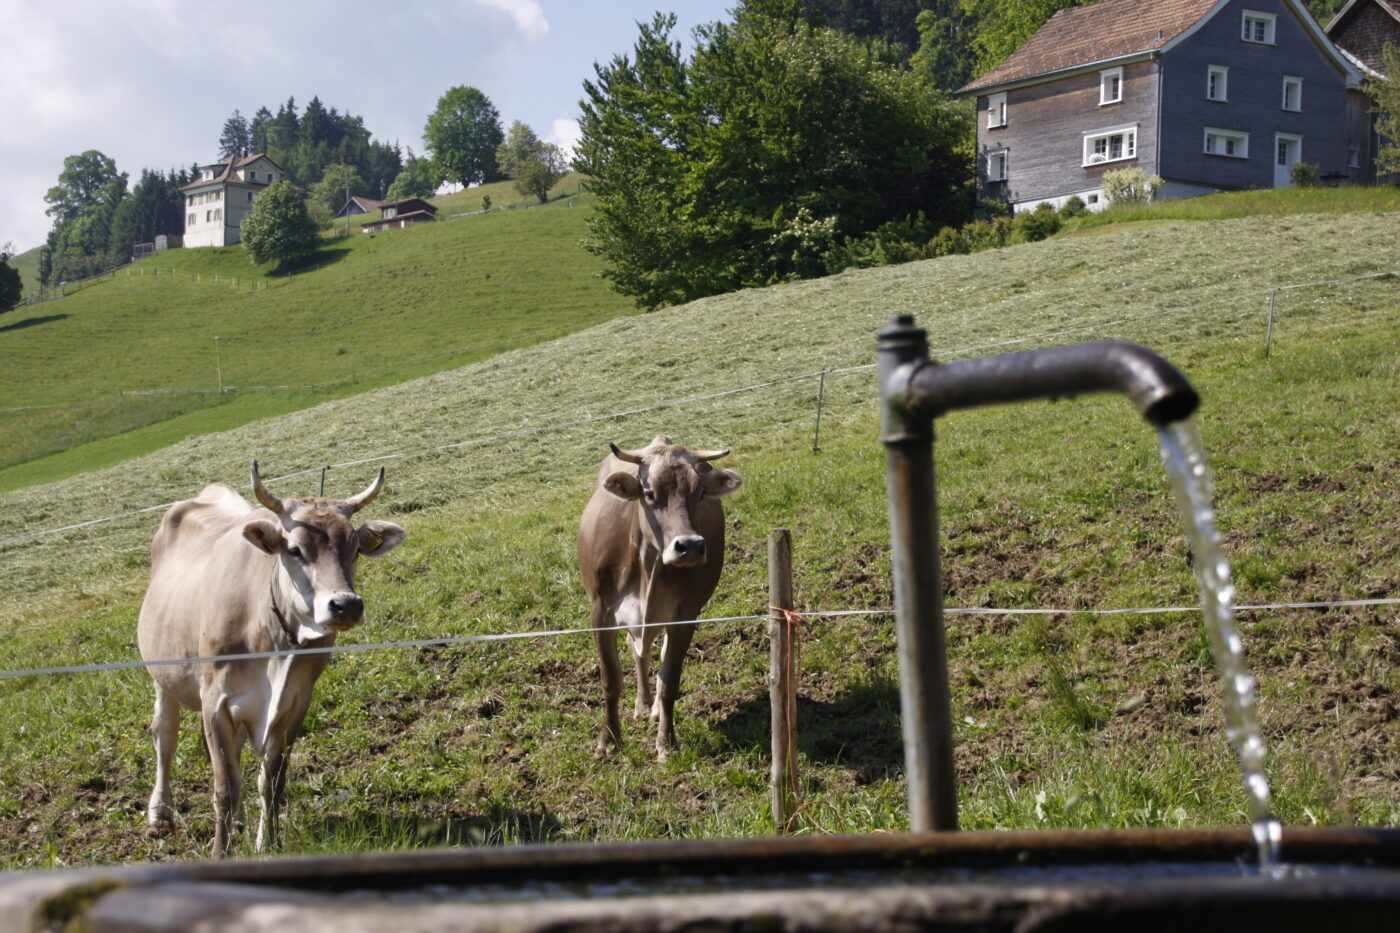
{"type": "Point", "coordinates": [218, 213]}
{"type": "Point", "coordinates": [1227, 143]}
{"type": "Point", "coordinates": [1353, 157]}
{"type": "Point", "coordinates": [253, 174]}
{"type": "Point", "coordinates": [1217, 82]}
{"type": "Point", "coordinates": [1258, 27]}
{"type": "Point", "coordinates": [996, 111]}
{"type": "Point", "coordinates": [1110, 86]}
{"type": "Point", "coordinates": [1110, 145]}
{"type": "Point", "coordinates": [191, 220]}
{"type": "Point", "coordinates": [250, 197]}
{"type": "Point", "coordinates": [996, 165]}
{"type": "Point", "coordinates": [1292, 93]}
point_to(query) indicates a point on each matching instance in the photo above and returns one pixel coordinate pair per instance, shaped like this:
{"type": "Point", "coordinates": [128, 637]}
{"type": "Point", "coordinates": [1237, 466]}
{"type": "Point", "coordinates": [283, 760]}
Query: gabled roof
{"type": "Point", "coordinates": [1389, 6]}
{"type": "Point", "coordinates": [1097, 32]}
{"type": "Point", "coordinates": [226, 170]}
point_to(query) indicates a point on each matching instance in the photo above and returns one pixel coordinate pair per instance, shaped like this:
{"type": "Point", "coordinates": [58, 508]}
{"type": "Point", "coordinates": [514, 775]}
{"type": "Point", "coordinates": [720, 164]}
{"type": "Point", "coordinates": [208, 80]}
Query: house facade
{"type": "Point", "coordinates": [1208, 94]}
{"type": "Point", "coordinates": [1362, 29]}
{"type": "Point", "coordinates": [403, 213]}
{"type": "Point", "coordinates": [217, 201]}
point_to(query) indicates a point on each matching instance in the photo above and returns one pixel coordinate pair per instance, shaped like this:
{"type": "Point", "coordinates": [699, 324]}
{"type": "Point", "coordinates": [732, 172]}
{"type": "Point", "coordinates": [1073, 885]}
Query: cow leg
{"type": "Point", "coordinates": [610, 673]}
{"type": "Point", "coordinates": [272, 780]}
{"type": "Point", "coordinates": [641, 658]}
{"type": "Point", "coordinates": [165, 730]}
{"type": "Point", "coordinates": [223, 743]}
{"type": "Point", "coordinates": [668, 684]}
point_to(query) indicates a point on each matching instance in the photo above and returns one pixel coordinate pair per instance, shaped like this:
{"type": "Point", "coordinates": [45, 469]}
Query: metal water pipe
{"type": "Point", "coordinates": [913, 391]}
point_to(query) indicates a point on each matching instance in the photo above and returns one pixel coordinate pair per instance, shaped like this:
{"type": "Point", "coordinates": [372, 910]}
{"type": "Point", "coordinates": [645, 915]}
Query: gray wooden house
{"type": "Point", "coordinates": [1209, 94]}
{"type": "Point", "coordinates": [1362, 29]}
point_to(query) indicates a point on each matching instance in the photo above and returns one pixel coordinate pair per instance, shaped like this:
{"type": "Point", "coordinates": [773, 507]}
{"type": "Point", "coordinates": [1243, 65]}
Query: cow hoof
{"type": "Point", "coordinates": [663, 755]}
{"type": "Point", "coordinates": [160, 821]}
{"type": "Point", "coordinates": [604, 750]}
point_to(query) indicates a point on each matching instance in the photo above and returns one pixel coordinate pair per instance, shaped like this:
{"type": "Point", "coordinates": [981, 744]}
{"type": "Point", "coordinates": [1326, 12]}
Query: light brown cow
{"type": "Point", "coordinates": [228, 578]}
{"type": "Point", "coordinates": [650, 549]}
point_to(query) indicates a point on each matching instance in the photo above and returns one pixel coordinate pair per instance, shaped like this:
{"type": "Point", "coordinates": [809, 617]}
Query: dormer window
{"type": "Point", "coordinates": [996, 111]}
{"type": "Point", "coordinates": [1110, 86]}
{"type": "Point", "coordinates": [1258, 27]}
{"type": "Point", "coordinates": [208, 174]}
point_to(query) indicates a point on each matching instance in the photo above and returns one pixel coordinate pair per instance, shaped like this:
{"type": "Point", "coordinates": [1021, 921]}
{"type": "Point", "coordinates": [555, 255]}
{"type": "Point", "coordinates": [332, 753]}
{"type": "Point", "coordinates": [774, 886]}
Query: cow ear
{"type": "Point", "coordinates": [378, 538]}
{"type": "Point", "coordinates": [263, 535]}
{"type": "Point", "coordinates": [722, 482]}
{"type": "Point", "coordinates": [623, 485]}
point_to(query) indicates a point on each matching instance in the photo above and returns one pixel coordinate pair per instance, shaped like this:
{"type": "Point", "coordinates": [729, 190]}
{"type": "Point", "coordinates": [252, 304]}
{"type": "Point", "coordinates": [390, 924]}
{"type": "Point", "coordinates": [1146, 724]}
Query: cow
{"type": "Point", "coordinates": [228, 578]}
{"type": "Point", "coordinates": [650, 550]}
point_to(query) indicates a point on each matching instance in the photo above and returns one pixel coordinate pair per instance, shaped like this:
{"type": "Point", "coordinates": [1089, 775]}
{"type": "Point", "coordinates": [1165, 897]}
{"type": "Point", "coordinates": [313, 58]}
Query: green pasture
{"type": "Point", "coordinates": [136, 361]}
{"type": "Point", "coordinates": [1072, 719]}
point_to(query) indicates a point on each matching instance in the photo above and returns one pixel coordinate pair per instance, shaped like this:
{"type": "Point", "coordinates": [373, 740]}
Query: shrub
{"type": "Point", "coordinates": [1130, 185]}
{"type": "Point", "coordinates": [1303, 174]}
{"type": "Point", "coordinates": [1032, 226]}
{"type": "Point", "coordinates": [1074, 207]}
{"type": "Point", "coordinates": [991, 208]}
{"type": "Point", "coordinates": [949, 242]}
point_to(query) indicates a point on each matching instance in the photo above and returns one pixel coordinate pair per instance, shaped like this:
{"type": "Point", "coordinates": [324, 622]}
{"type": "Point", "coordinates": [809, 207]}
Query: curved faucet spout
{"type": "Point", "coordinates": [1158, 389]}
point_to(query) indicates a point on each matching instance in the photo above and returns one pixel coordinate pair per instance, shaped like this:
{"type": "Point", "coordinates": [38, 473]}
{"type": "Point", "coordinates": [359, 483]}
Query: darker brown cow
{"type": "Point", "coordinates": [228, 578]}
{"type": "Point", "coordinates": [650, 550]}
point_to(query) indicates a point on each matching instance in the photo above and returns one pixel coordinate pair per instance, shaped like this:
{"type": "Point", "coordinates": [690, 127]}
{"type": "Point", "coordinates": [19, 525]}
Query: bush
{"type": "Point", "coordinates": [1036, 225]}
{"type": "Point", "coordinates": [1131, 185]}
{"type": "Point", "coordinates": [1074, 207]}
{"type": "Point", "coordinates": [1303, 174]}
{"type": "Point", "coordinates": [948, 242]}
{"type": "Point", "coordinates": [279, 226]}
{"type": "Point", "coordinates": [991, 208]}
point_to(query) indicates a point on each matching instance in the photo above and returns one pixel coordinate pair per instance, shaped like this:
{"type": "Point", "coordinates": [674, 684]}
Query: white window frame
{"type": "Point", "coordinates": [996, 110]}
{"type": "Point", "coordinates": [1287, 138]}
{"type": "Point", "coordinates": [1110, 86]}
{"type": "Point", "coordinates": [1251, 22]}
{"type": "Point", "coordinates": [1127, 147]}
{"type": "Point", "coordinates": [1229, 139]}
{"type": "Point", "coordinates": [1296, 83]}
{"type": "Point", "coordinates": [1218, 80]}
{"type": "Point", "coordinates": [998, 164]}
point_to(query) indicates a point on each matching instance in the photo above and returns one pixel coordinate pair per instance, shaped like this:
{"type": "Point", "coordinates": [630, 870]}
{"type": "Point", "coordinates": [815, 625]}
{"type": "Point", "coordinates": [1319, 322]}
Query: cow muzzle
{"type": "Point", "coordinates": [685, 551]}
{"type": "Point", "coordinates": [342, 611]}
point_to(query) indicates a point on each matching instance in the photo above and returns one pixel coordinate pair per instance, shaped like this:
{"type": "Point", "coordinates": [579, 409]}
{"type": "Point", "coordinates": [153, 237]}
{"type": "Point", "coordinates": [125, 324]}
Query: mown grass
{"type": "Point", "coordinates": [1267, 202]}
{"type": "Point", "coordinates": [1069, 720]}
{"type": "Point", "coordinates": [142, 348]}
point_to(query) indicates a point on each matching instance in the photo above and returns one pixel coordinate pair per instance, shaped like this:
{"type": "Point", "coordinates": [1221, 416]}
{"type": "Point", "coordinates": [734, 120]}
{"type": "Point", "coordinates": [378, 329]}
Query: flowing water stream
{"type": "Point", "coordinates": [1184, 458]}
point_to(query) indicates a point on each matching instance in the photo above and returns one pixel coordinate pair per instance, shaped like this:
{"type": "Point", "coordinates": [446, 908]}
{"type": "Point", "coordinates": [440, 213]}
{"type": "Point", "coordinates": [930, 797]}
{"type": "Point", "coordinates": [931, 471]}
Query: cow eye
{"type": "Point", "coordinates": [295, 553]}
{"type": "Point", "coordinates": [649, 495]}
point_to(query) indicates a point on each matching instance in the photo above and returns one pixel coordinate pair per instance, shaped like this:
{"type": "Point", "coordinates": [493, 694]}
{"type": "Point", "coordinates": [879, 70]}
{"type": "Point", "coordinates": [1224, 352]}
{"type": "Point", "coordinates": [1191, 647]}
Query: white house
{"type": "Point", "coordinates": [217, 201]}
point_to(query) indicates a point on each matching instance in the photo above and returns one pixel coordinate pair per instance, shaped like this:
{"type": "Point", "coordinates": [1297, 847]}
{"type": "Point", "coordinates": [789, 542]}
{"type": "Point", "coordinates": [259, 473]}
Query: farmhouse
{"type": "Point", "coordinates": [359, 205]}
{"type": "Point", "coordinates": [1362, 29]}
{"type": "Point", "coordinates": [403, 213]}
{"type": "Point", "coordinates": [217, 201]}
{"type": "Point", "coordinates": [1209, 94]}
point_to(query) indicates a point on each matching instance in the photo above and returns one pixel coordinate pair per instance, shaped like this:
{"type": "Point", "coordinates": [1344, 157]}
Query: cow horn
{"type": "Point", "coordinates": [627, 456]}
{"type": "Point", "coordinates": [365, 498]}
{"type": "Point", "coordinates": [706, 455]}
{"type": "Point", "coordinates": [268, 500]}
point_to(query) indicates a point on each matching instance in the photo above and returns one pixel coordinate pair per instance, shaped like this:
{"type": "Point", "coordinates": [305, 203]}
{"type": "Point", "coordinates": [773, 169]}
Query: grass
{"type": "Point", "coordinates": [1076, 720]}
{"type": "Point", "coordinates": [375, 311]}
{"type": "Point", "coordinates": [1270, 202]}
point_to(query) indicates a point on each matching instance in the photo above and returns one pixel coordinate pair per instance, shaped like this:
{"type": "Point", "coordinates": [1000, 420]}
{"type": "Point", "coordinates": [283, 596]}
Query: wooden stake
{"type": "Point", "coordinates": [779, 675]}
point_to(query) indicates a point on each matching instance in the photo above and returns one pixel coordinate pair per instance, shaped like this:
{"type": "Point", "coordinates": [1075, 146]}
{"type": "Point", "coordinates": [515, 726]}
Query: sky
{"type": "Point", "coordinates": [150, 83]}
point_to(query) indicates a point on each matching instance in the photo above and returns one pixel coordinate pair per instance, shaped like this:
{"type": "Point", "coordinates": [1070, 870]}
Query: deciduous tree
{"type": "Point", "coordinates": [419, 179]}
{"type": "Point", "coordinates": [1386, 94]}
{"type": "Point", "coordinates": [336, 185]}
{"type": "Point", "coordinates": [11, 287]}
{"type": "Point", "coordinates": [704, 168]}
{"type": "Point", "coordinates": [463, 134]}
{"type": "Point", "coordinates": [279, 227]}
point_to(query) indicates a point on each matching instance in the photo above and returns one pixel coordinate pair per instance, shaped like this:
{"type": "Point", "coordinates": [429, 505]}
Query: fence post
{"type": "Point", "coordinates": [323, 480]}
{"type": "Point", "coordinates": [1269, 329]}
{"type": "Point", "coordinates": [821, 398]}
{"type": "Point", "coordinates": [218, 366]}
{"type": "Point", "coordinates": [780, 688]}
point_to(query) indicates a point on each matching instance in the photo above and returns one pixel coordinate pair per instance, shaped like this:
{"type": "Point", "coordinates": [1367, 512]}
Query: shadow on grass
{"type": "Point", "coordinates": [858, 730]}
{"type": "Point", "coordinates": [301, 264]}
{"type": "Point", "coordinates": [33, 322]}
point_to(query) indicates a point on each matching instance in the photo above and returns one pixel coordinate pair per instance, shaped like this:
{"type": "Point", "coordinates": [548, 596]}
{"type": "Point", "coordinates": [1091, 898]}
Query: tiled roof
{"type": "Point", "coordinates": [226, 169]}
{"type": "Point", "coordinates": [1096, 32]}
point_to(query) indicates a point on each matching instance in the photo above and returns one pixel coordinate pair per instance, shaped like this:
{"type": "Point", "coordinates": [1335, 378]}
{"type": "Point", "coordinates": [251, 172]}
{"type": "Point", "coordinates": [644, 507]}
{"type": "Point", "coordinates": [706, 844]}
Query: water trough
{"type": "Point", "coordinates": [933, 878]}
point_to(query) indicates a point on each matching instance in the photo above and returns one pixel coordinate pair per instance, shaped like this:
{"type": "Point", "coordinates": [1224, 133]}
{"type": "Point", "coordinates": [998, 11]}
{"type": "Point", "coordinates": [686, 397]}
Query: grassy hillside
{"type": "Point", "coordinates": [1065, 720]}
{"type": "Point", "coordinates": [125, 356]}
